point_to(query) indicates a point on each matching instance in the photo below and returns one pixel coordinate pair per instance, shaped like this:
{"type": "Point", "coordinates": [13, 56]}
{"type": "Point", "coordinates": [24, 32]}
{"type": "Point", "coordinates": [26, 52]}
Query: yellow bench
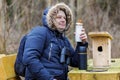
{"type": "Point", "coordinates": [7, 71]}
{"type": "Point", "coordinates": [7, 67]}
{"type": "Point", "coordinates": [113, 73]}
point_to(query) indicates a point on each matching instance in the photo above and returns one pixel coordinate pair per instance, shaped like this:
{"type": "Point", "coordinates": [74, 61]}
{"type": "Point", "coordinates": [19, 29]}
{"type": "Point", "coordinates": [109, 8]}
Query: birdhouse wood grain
{"type": "Point", "coordinates": [101, 47]}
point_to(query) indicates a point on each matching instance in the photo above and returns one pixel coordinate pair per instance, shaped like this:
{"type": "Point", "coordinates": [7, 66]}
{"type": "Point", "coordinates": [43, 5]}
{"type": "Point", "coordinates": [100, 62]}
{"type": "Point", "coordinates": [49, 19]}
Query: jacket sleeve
{"type": "Point", "coordinates": [33, 50]}
{"type": "Point", "coordinates": [74, 59]}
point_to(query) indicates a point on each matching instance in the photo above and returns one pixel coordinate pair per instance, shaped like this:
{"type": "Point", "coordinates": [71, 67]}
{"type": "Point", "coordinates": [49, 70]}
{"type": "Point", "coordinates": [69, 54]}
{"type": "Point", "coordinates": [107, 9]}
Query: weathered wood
{"type": "Point", "coordinates": [100, 34]}
{"type": "Point", "coordinates": [113, 72]}
{"type": "Point", "coordinates": [7, 67]}
{"type": "Point", "coordinates": [101, 47]}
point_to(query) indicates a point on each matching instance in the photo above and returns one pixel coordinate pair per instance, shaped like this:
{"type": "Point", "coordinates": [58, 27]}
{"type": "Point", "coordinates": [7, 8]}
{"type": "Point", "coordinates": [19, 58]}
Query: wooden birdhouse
{"type": "Point", "coordinates": [101, 47]}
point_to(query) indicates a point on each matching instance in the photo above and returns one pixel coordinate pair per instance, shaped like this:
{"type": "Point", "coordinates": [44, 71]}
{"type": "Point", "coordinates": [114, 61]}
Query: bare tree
{"type": "Point", "coordinates": [17, 17]}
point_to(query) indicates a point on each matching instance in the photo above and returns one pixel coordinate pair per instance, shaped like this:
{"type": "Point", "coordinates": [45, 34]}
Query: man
{"type": "Point", "coordinates": [44, 45]}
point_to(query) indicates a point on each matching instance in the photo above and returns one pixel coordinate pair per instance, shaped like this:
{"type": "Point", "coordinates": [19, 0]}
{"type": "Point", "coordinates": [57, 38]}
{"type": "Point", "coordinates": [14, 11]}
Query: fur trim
{"type": "Point", "coordinates": [54, 10]}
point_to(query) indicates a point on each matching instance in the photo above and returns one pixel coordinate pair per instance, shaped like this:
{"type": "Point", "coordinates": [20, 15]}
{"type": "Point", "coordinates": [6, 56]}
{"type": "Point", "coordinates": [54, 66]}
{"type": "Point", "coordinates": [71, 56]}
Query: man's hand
{"type": "Point", "coordinates": [83, 36]}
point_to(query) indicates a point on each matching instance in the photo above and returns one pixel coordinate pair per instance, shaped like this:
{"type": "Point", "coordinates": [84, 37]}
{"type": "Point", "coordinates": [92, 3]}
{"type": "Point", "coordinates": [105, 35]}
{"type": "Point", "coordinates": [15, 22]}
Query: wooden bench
{"type": "Point", "coordinates": [7, 70]}
{"type": "Point", "coordinates": [7, 67]}
{"type": "Point", "coordinates": [113, 73]}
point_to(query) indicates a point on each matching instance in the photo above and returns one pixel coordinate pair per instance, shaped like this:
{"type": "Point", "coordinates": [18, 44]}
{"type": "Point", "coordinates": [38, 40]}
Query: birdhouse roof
{"type": "Point", "coordinates": [100, 34]}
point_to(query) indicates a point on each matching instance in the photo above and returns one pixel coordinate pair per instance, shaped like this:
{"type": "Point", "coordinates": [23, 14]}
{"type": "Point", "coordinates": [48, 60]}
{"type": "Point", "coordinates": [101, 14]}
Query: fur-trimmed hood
{"type": "Point", "coordinates": [53, 12]}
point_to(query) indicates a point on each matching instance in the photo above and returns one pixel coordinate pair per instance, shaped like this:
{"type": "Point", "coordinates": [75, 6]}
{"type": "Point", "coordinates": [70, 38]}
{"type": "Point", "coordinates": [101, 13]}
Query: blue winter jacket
{"type": "Point", "coordinates": [42, 53]}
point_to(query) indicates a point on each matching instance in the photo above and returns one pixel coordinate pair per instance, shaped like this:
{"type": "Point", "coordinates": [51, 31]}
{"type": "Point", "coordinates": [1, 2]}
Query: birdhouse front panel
{"type": "Point", "coordinates": [101, 51]}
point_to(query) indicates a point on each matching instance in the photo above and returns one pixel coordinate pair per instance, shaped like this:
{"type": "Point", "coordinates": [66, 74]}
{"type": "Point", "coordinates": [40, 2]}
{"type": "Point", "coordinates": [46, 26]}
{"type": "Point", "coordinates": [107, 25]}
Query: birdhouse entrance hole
{"type": "Point", "coordinates": [100, 49]}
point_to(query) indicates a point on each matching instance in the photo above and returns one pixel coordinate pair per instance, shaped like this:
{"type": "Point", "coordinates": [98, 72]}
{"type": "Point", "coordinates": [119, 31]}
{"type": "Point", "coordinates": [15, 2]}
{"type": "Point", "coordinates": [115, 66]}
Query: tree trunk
{"type": "Point", "coordinates": [2, 28]}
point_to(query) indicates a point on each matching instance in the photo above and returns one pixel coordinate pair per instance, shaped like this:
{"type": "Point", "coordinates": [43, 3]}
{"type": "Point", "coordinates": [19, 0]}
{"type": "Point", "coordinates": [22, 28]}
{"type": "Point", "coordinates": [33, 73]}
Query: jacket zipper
{"type": "Point", "coordinates": [50, 52]}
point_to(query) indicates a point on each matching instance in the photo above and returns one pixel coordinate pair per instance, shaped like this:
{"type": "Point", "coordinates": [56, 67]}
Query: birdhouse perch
{"type": "Point", "coordinates": [101, 47]}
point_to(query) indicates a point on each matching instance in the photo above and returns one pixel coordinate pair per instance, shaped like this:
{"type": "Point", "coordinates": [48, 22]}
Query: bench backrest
{"type": "Point", "coordinates": [7, 67]}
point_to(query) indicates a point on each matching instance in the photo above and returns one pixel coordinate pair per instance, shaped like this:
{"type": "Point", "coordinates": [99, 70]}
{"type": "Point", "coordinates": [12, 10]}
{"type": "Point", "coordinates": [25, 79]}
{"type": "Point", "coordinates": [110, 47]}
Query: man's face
{"type": "Point", "coordinates": [60, 21]}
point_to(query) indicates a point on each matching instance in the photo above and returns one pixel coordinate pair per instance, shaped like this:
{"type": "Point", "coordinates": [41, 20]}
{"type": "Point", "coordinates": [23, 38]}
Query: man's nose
{"type": "Point", "coordinates": [63, 19]}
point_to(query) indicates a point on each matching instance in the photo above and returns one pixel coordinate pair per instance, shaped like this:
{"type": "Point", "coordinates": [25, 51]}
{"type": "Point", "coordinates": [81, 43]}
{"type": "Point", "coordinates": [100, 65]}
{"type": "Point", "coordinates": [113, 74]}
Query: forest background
{"type": "Point", "coordinates": [17, 17]}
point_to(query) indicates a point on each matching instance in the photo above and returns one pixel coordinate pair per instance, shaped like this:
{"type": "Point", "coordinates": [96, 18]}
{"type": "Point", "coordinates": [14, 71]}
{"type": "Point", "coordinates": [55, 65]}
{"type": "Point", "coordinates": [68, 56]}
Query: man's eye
{"type": "Point", "coordinates": [65, 18]}
{"type": "Point", "coordinates": [58, 17]}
